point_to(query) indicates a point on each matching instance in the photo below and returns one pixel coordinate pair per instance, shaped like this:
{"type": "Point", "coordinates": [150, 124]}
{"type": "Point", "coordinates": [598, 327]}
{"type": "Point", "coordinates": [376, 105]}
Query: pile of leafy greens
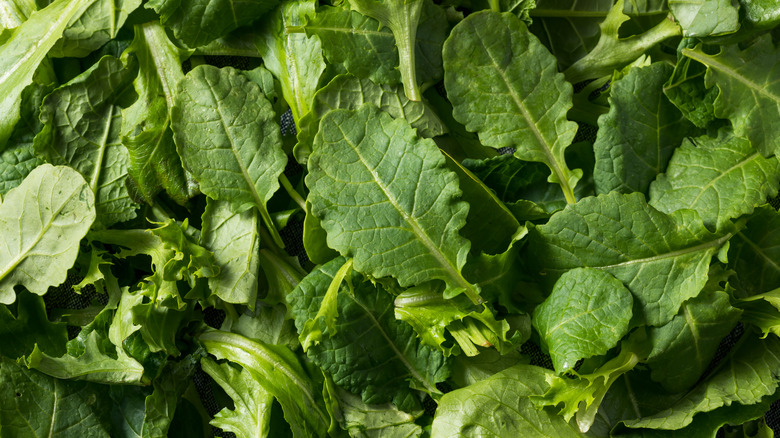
{"type": "Point", "coordinates": [501, 218]}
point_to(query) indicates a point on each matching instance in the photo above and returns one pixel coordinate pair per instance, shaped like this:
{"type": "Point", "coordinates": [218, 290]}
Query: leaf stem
{"type": "Point", "coordinates": [292, 192]}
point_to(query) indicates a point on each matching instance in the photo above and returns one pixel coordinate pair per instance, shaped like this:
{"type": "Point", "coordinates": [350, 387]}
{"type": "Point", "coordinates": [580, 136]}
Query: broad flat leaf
{"type": "Point", "coordinates": [96, 26]}
{"type": "Point", "coordinates": [586, 314]}
{"type": "Point", "coordinates": [33, 404]}
{"type": "Point", "coordinates": [615, 52]}
{"type": "Point", "coordinates": [251, 415]}
{"type": "Point", "coordinates": [349, 92]}
{"type": "Point", "coordinates": [154, 164]}
{"type": "Point", "coordinates": [235, 242]}
{"type": "Point", "coordinates": [23, 52]}
{"type": "Point", "coordinates": [18, 159]}
{"type": "Point", "coordinates": [43, 221]}
{"type": "Point", "coordinates": [396, 213]}
{"type": "Point", "coordinates": [278, 372]}
{"type": "Point", "coordinates": [197, 22]}
{"type": "Point", "coordinates": [721, 178]}
{"type": "Point", "coordinates": [749, 90]}
{"type": "Point", "coordinates": [527, 115]}
{"type": "Point", "coordinates": [747, 375]}
{"type": "Point", "coordinates": [376, 421]}
{"type": "Point", "coordinates": [694, 334]}
{"type": "Point", "coordinates": [81, 123]}
{"type": "Point", "coordinates": [295, 60]}
{"type": "Point", "coordinates": [433, 317]}
{"type": "Point", "coordinates": [754, 254]}
{"type": "Point", "coordinates": [223, 125]}
{"type": "Point", "coordinates": [702, 18]}
{"type": "Point", "coordinates": [686, 89]}
{"type": "Point", "coordinates": [763, 14]}
{"type": "Point", "coordinates": [662, 259]}
{"type": "Point", "coordinates": [268, 324]}
{"type": "Point", "coordinates": [637, 137]}
{"type": "Point", "coordinates": [367, 351]}
{"type": "Point", "coordinates": [29, 326]}
{"type": "Point", "coordinates": [470, 370]}
{"type": "Point", "coordinates": [499, 406]}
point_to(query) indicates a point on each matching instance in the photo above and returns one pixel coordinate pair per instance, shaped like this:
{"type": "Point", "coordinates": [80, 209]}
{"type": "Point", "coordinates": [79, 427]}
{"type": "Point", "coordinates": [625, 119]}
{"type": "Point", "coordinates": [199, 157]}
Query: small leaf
{"type": "Point", "coordinates": [702, 18]}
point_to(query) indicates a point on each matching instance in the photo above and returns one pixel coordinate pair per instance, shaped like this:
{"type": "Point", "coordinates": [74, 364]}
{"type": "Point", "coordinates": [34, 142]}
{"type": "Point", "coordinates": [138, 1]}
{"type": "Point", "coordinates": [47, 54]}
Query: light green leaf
{"type": "Point", "coordinates": [396, 213]}
{"type": "Point", "coordinates": [295, 60]}
{"type": "Point", "coordinates": [197, 22]}
{"type": "Point", "coordinates": [499, 407]}
{"type": "Point", "coordinates": [315, 239]}
{"type": "Point", "coordinates": [747, 375]}
{"type": "Point", "coordinates": [749, 91]}
{"type": "Point", "coordinates": [586, 315]}
{"type": "Point", "coordinates": [96, 26]}
{"type": "Point", "coordinates": [362, 420]}
{"type": "Point", "coordinates": [251, 415]}
{"type": "Point", "coordinates": [33, 404]}
{"type": "Point", "coordinates": [327, 314]}
{"type": "Point", "coordinates": [235, 242]}
{"type": "Point", "coordinates": [81, 123]}
{"type": "Point", "coordinates": [43, 221]}
{"type": "Point", "coordinates": [468, 370]}
{"type": "Point", "coordinates": [763, 14]}
{"type": "Point", "coordinates": [23, 52]}
{"type": "Point", "coordinates": [222, 125]}
{"type": "Point", "coordinates": [154, 163]}
{"type": "Point", "coordinates": [754, 254]}
{"type": "Point", "coordinates": [702, 18]}
{"type": "Point", "coordinates": [662, 259]}
{"type": "Point", "coordinates": [366, 351]}
{"type": "Point", "coordinates": [527, 115]}
{"type": "Point", "coordinates": [640, 132]}
{"type": "Point", "coordinates": [349, 92]}
{"type": "Point", "coordinates": [721, 178]}
{"type": "Point", "coordinates": [279, 372]}
{"type": "Point", "coordinates": [694, 334]}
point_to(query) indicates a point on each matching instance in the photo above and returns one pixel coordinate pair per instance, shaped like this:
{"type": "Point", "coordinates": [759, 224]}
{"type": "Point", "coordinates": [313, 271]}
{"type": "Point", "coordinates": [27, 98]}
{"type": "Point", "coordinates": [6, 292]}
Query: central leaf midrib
{"type": "Point", "coordinates": [395, 349]}
{"type": "Point", "coordinates": [418, 231]}
{"type": "Point", "coordinates": [350, 30]}
{"type": "Point", "coordinates": [714, 63]}
{"type": "Point", "coordinates": [741, 163]}
{"type": "Point", "coordinates": [672, 254]}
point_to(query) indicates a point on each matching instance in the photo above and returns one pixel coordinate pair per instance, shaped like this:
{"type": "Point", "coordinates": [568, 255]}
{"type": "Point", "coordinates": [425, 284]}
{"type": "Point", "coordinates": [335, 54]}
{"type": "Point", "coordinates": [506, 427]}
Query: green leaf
{"type": "Point", "coordinates": [97, 25]}
{"type": "Point", "coordinates": [154, 164]}
{"type": "Point", "coordinates": [376, 421]}
{"type": "Point", "coordinates": [24, 50]}
{"type": "Point", "coordinates": [694, 334]}
{"type": "Point", "coordinates": [81, 123]}
{"type": "Point", "coordinates": [754, 254]}
{"type": "Point", "coordinates": [746, 376]}
{"type": "Point", "coordinates": [431, 314]}
{"type": "Point", "coordinates": [499, 406]}
{"type": "Point", "coordinates": [279, 372]}
{"type": "Point", "coordinates": [468, 370]}
{"type": "Point", "coordinates": [251, 415]}
{"type": "Point", "coordinates": [749, 94]}
{"type": "Point", "coordinates": [502, 53]}
{"type": "Point", "coordinates": [613, 52]}
{"type": "Point", "coordinates": [763, 14]}
{"type": "Point", "coordinates": [197, 22]}
{"type": "Point", "coordinates": [702, 18]}
{"type": "Point", "coordinates": [43, 221]}
{"type": "Point", "coordinates": [221, 118]}
{"type": "Point", "coordinates": [366, 350]}
{"type": "Point", "coordinates": [394, 212]}
{"type": "Point", "coordinates": [235, 242]}
{"type": "Point", "coordinates": [721, 178]}
{"type": "Point", "coordinates": [295, 60]}
{"type": "Point", "coordinates": [637, 137]}
{"type": "Point", "coordinates": [327, 314]}
{"type": "Point", "coordinates": [349, 92]}
{"type": "Point", "coordinates": [586, 315]}
{"type": "Point", "coordinates": [29, 326]}
{"type": "Point", "coordinates": [662, 259]}
{"type": "Point", "coordinates": [686, 89]}
{"type": "Point", "coordinates": [33, 404]}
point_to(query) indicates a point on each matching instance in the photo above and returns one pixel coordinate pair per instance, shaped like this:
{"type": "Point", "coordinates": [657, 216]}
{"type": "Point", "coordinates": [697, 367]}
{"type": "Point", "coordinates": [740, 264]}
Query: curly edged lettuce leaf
{"type": "Point", "coordinates": [394, 211]}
